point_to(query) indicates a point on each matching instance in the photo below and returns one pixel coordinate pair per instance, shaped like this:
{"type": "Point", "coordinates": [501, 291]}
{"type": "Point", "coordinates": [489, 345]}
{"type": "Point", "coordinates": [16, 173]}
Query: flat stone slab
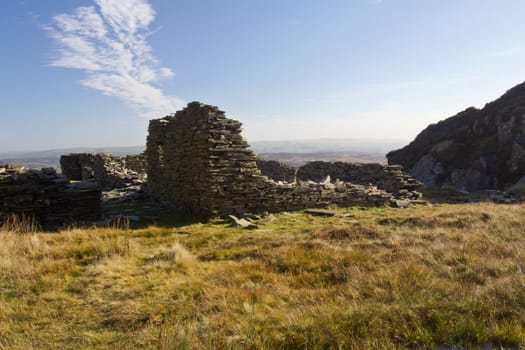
{"type": "Point", "coordinates": [236, 222]}
{"type": "Point", "coordinates": [402, 203]}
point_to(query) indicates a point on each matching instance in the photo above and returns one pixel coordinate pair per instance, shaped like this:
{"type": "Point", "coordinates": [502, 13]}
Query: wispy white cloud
{"type": "Point", "coordinates": [108, 41]}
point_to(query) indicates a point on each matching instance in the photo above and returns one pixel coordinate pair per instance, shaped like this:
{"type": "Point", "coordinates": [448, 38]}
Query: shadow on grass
{"type": "Point", "coordinates": [143, 213]}
{"type": "Point", "coordinates": [120, 219]}
{"type": "Point", "coordinates": [178, 219]}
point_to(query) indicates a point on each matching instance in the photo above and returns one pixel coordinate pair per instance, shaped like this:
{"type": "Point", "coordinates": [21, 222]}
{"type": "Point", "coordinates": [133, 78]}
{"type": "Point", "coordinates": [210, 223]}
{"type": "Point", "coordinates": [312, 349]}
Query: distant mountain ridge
{"type": "Point", "coordinates": [476, 149]}
{"type": "Point", "coordinates": [376, 146]}
{"type": "Point", "coordinates": [51, 158]}
{"type": "Point", "coordinates": [118, 151]}
{"type": "Point", "coordinates": [297, 152]}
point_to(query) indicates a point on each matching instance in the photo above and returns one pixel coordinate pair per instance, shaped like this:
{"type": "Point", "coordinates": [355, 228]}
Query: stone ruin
{"type": "Point", "coordinates": [277, 171]}
{"type": "Point", "coordinates": [47, 196]}
{"type": "Point", "coordinates": [76, 194]}
{"type": "Point", "coordinates": [107, 170]}
{"type": "Point", "coordinates": [197, 161]}
{"type": "Point", "coordinates": [121, 178]}
{"type": "Point", "coordinates": [390, 178]}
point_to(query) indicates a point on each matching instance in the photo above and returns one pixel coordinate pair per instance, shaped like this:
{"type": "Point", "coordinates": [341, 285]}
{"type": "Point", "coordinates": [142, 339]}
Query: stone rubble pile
{"type": "Point", "coordinates": [47, 196]}
{"type": "Point", "coordinates": [199, 162]}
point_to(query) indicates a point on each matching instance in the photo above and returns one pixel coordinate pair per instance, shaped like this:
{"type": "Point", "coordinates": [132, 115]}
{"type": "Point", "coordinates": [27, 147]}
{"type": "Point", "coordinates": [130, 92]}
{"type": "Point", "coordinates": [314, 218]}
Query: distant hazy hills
{"type": "Point", "coordinates": [51, 158]}
{"type": "Point", "coordinates": [119, 151]}
{"type": "Point", "coordinates": [327, 146]}
{"type": "Point", "coordinates": [293, 152]}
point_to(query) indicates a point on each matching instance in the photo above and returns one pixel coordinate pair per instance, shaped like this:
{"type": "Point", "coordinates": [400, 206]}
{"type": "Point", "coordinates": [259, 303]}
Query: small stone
{"type": "Point", "coordinates": [236, 222]}
{"type": "Point", "coordinates": [402, 203]}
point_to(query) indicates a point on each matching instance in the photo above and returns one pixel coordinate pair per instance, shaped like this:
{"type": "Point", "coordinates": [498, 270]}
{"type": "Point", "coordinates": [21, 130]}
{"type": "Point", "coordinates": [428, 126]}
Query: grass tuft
{"type": "Point", "coordinates": [19, 224]}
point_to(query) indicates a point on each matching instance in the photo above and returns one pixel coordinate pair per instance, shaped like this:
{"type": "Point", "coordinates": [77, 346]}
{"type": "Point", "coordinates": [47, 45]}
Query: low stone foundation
{"type": "Point", "coordinates": [47, 196]}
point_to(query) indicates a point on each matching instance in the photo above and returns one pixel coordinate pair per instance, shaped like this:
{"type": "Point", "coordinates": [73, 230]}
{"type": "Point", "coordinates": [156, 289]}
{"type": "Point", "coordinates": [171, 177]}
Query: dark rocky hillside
{"type": "Point", "coordinates": [476, 149]}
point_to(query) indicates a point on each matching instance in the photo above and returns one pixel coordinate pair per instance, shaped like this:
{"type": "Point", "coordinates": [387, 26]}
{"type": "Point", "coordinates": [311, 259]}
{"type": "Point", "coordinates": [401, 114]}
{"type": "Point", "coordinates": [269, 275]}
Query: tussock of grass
{"type": "Point", "coordinates": [378, 278]}
{"type": "Point", "coordinates": [19, 224]}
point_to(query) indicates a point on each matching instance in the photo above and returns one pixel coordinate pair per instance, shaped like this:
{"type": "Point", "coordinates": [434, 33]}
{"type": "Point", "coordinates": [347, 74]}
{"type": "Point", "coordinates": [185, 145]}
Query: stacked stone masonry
{"type": "Point", "coordinates": [47, 196]}
{"type": "Point", "coordinates": [107, 170]}
{"type": "Point", "coordinates": [136, 163]}
{"type": "Point", "coordinates": [390, 178]}
{"type": "Point", "coordinates": [275, 170]}
{"type": "Point", "coordinates": [197, 161]}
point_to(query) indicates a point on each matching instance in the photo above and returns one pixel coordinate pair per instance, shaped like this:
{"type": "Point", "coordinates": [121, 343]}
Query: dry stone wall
{"type": "Point", "coordinates": [276, 171]}
{"type": "Point", "coordinates": [390, 178]}
{"type": "Point", "coordinates": [199, 162]}
{"type": "Point", "coordinates": [47, 196]}
{"type": "Point", "coordinates": [78, 166]}
{"type": "Point", "coordinates": [107, 170]}
{"type": "Point", "coordinates": [135, 163]}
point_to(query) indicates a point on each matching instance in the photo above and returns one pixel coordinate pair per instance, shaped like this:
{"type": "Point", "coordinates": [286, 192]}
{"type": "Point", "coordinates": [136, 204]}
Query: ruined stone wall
{"type": "Point", "coordinates": [136, 163]}
{"type": "Point", "coordinates": [47, 196]}
{"type": "Point", "coordinates": [275, 170]}
{"type": "Point", "coordinates": [107, 170]}
{"type": "Point", "coordinates": [199, 162]}
{"type": "Point", "coordinates": [178, 158]}
{"type": "Point", "coordinates": [278, 196]}
{"type": "Point", "coordinates": [390, 178]}
{"type": "Point", "coordinates": [78, 166]}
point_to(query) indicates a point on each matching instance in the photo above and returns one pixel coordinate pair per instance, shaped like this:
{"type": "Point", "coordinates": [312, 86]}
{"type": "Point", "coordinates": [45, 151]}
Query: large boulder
{"type": "Point", "coordinates": [477, 149]}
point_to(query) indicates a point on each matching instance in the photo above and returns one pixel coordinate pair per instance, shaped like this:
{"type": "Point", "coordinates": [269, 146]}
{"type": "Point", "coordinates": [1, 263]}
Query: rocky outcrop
{"type": "Point", "coordinates": [47, 196]}
{"type": "Point", "coordinates": [199, 162]}
{"type": "Point", "coordinates": [474, 150]}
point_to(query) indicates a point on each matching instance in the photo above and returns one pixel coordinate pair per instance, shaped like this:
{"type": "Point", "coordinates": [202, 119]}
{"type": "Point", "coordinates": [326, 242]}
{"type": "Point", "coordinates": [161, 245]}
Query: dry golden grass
{"type": "Point", "coordinates": [376, 278]}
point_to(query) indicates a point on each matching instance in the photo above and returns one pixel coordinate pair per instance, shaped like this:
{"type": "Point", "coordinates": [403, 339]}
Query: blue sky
{"type": "Point", "coordinates": [93, 72]}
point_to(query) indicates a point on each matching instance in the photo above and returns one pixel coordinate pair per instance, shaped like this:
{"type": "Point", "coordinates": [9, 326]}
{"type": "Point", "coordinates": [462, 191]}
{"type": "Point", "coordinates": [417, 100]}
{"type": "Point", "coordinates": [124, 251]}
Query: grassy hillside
{"type": "Point", "coordinates": [366, 278]}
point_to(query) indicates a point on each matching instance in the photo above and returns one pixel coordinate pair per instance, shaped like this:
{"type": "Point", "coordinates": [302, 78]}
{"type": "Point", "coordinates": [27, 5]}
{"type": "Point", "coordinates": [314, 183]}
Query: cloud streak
{"type": "Point", "coordinates": [108, 41]}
